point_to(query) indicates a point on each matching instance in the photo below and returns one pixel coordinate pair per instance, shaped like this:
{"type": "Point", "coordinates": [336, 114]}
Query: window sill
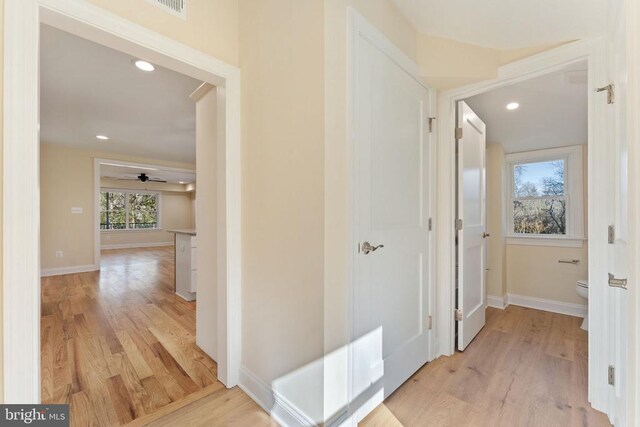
{"type": "Point", "coordinates": [566, 242]}
{"type": "Point", "coordinates": [132, 230]}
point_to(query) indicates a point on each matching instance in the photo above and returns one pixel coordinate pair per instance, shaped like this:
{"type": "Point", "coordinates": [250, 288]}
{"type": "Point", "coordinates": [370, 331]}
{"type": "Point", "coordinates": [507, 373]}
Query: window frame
{"type": "Point", "coordinates": [574, 196]}
{"type": "Point", "coordinates": [127, 192]}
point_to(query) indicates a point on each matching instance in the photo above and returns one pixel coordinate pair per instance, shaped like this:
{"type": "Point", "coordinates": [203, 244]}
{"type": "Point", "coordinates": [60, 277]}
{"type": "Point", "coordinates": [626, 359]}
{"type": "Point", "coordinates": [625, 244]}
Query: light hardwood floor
{"type": "Point", "coordinates": [119, 344]}
{"type": "Point", "coordinates": [525, 368]}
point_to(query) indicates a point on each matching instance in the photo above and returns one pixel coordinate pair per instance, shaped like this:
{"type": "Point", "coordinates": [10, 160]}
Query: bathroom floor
{"type": "Point", "coordinates": [526, 368]}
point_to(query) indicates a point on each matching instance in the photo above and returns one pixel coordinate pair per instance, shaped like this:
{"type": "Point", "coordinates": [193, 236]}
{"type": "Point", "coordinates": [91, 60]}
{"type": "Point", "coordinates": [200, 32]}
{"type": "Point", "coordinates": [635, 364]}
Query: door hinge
{"type": "Point", "coordinates": [611, 234]}
{"type": "Point", "coordinates": [458, 314]}
{"type": "Point", "coordinates": [611, 95]}
{"type": "Point", "coordinates": [431, 119]}
{"type": "Point", "coordinates": [612, 375]}
{"type": "Point", "coordinates": [430, 224]}
{"type": "Point", "coordinates": [458, 224]}
{"type": "Point", "coordinates": [430, 322]}
{"type": "Point", "coordinates": [458, 133]}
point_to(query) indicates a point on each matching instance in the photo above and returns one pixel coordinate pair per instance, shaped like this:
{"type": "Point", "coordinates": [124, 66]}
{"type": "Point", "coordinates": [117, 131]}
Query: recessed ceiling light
{"type": "Point", "coordinates": [512, 105]}
{"type": "Point", "coordinates": [182, 182]}
{"type": "Point", "coordinates": [102, 137]}
{"type": "Point", "coordinates": [144, 65]}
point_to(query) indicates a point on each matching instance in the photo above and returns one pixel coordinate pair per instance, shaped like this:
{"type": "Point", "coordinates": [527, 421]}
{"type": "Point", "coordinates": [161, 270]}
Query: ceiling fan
{"type": "Point", "coordinates": [143, 177]}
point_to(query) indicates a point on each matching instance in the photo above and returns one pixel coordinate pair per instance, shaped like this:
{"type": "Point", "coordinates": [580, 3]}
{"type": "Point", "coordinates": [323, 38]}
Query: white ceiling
{"type": "Point", "coordinates": [126, 171]}
{"type": "Point", "coordinates": [88, 89]}
{"type": "Point", "coordinates": [552, 113]}
{"type": "Point", "coordinates": [507, 24]}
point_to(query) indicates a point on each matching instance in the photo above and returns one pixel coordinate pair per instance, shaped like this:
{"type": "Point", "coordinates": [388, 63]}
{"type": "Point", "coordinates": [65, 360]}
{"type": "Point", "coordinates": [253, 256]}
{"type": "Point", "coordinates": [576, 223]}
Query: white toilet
{"type": "Point", "coordinates": [582, 288]}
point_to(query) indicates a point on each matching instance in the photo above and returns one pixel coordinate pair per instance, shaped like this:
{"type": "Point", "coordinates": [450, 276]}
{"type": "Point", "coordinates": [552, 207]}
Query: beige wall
{"type": "Point", "coordinates": [211, 25]}
{"type": "Point", "coordinates": [281, 57]}
{"type": "Point", "coordinates": [446, 64]}
{"type": "Point", "coordinates": [496, 250]}
{"type": "Point", "coordinates": [534, 271]}
{"type": "Point", "coordinates": [526, 270]}
{"type": "Point", "coordinates": [176, 213]}
{"type": "Point", "coordinates": [66, 180]}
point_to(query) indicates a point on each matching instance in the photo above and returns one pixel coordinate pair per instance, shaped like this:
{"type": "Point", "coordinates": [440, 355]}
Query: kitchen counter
{"type": "Point", "coordinates": [188, 231]}
{"type": "Point", "coordinates": [185, 263]}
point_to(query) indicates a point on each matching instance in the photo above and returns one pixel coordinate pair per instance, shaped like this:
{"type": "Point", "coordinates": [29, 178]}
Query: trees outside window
{"type": "Point", "coordinates": [539, 199]}
{"type": "Point", "coordinates": [129, 210]}
{"type": "Point", "coordinates": [545, 197]}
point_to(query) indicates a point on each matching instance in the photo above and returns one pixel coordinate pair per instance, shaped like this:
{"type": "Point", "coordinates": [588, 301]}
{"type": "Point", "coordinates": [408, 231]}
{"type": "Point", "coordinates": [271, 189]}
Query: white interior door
{"type": "Point", "coordinates": [617, 260]}
{"type": "Point", "coordinates": [471, 225]}
{"type": "Point", "coordinates": [392, 265]}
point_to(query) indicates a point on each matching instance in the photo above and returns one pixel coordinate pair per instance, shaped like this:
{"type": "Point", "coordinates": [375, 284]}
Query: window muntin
{"type": "Point", "coordinates": [129, 210]}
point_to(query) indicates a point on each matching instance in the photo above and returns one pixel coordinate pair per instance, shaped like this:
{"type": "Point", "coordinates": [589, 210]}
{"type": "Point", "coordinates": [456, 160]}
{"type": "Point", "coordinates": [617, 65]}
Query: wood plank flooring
{"type": "Point", "coordinates": [118, 344]}
{"type": "Point", "coordinates": [525, 368]}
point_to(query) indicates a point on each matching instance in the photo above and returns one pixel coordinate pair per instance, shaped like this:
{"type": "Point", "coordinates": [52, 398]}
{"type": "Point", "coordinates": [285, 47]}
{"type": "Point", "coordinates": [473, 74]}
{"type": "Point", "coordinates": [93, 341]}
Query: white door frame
{"type": "Point", "coordinates": [632, 13]}
{"type": "Point", "coordinates": [593, 52]}
{"type": "Point", "coordinates": [21, 187]}
{"type": "Point", "coordinates": [359, 26]}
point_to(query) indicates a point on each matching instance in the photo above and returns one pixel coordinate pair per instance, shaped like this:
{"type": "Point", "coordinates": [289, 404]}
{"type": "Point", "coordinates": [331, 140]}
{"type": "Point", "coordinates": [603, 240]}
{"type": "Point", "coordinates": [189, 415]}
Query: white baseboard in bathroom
{"type": "Point", "coordinates": [577, 310]}
{"type": "Point", "coordinates": [497, 302]}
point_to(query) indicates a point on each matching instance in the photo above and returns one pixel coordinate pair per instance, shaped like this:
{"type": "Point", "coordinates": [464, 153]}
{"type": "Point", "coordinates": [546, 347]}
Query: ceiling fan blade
{"type": "Point", "coordinates": [155, 180]}
{"type": "Point", "coordinates": [128, 179]}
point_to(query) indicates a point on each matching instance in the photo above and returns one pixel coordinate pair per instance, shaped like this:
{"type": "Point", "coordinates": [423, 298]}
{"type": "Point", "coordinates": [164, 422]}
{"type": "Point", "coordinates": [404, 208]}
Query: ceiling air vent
{"type": "Point", "coordinates": [175, 7]}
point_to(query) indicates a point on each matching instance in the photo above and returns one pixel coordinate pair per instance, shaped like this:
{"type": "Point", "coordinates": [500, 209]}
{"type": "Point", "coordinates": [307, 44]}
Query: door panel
{"type": "Point", "coordinates": [471, 210]}
{"type": "Point", "coordinates": [391, 296]}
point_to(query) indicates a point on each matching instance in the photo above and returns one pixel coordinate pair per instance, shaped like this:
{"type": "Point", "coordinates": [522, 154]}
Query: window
{"type": "Point", "coordinates": [129, 210]}
{"type": "Point", "coordinates": [545, 199]}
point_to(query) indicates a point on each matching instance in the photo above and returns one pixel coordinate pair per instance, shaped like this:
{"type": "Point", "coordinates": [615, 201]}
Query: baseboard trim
{"type": "Point", "coordinates": [497, 302]}
{"type": "Point", "coordinates": [281, 410]}
{"type": "Point", "coordinates": [136, 245]}
{"type": "Point", "coordinates": [577, 310]}
{"type": "Point", "coordinates": [59, 271]}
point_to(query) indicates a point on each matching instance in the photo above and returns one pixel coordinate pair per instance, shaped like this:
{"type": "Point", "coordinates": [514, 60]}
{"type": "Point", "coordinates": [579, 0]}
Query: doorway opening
{"type": "Point", "coordinates": [220, 155]}
{"type": "Point", "coordinates": [118, 164]}
{"type": "Point", "coordinates": [522, 241]}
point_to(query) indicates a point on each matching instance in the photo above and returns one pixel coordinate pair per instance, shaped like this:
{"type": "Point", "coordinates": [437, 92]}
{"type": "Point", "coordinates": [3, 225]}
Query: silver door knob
{"type": "Point", "coordinates": [617, 283]}
{"type": "Point", "coordinates": [367, 247]}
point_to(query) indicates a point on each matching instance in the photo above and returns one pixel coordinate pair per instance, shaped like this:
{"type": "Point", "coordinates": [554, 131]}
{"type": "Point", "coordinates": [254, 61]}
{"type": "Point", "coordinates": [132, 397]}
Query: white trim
{"type": "Point", "coordinates": [279, 408]}
{"type": "Point", "coordinates": [553, 306]}
{"type": "Point", "coordinates": [21, 198]}
{"type": "Point", "coordinates": [358, 25]}
{"type": "Point", "coordinates": [553, 60]}
{"type": "Point", "coordinates": [147, 166]}
{"type": "Point", "coordinates": [58, 271]}
{"type": "Point", "coordinates": [570, 309]}
{"type": "Point", "coordinates": [537, 240]}
{"type": "Point", "coordinates": [573, 188]}
{"type": "Point", "coordinates": [136, 245]}
{"type": "Point", "coordinates": [497, 302]}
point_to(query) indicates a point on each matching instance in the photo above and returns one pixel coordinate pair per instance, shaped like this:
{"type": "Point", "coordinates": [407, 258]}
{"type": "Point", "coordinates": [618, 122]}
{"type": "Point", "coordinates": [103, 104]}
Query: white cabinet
{"type": "Point", "coordinates": [186, 252]}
